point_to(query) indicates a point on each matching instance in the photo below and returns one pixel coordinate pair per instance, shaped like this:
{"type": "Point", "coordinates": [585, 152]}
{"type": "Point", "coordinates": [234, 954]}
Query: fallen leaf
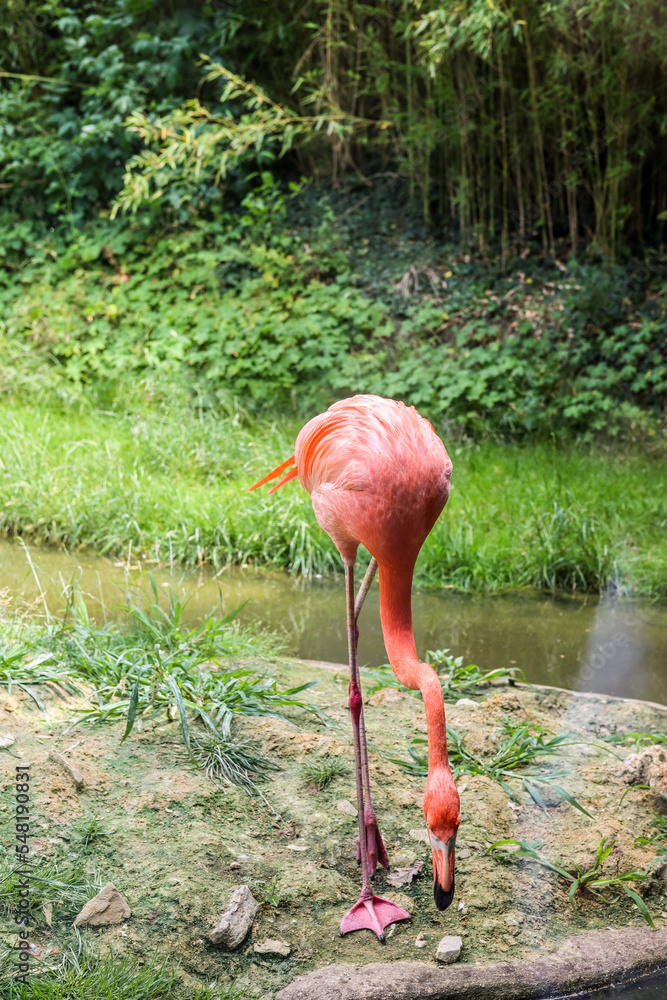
{"type": "Point", "coordinates": [403, 876]}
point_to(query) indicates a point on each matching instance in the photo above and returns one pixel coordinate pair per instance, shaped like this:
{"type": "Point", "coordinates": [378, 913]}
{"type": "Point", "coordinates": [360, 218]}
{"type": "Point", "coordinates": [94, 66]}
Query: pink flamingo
{"type": "Point", "coordinates": [379, 476]}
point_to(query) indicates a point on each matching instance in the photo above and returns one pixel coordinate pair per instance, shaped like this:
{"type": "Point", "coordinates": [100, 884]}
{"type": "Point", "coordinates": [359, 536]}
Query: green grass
{"type": "Point", "coordinates": [151, 667]}
{"type": "Point", "coordinates": [592, 882]}
{"type": "Point", "coordinates": [520, 753]}
{"type": "Point", "coordinates": [321, 772]}
{"type": "Point", "coordinates": [50, 882]}
{"type": "Point", "coordinates": [85, 976]}
{"type": "Point", "coordinates": [458, 681]}
{"type": "Point", "coordinates": [172, 483]}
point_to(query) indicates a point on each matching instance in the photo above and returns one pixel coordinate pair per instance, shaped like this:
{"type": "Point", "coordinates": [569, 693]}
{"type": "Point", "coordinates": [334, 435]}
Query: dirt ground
{"type": "Point", "coordinates": [176, 845]}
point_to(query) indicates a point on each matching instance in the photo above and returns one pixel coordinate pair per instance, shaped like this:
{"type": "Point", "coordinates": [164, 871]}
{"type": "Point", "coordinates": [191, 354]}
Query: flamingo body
{"type": "Point", "coordinates": [379, 476]}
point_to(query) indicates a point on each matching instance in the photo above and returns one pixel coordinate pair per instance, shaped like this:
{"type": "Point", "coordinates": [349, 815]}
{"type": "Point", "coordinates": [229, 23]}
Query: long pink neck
{"type": "Point", "coordinates": [399, 640]}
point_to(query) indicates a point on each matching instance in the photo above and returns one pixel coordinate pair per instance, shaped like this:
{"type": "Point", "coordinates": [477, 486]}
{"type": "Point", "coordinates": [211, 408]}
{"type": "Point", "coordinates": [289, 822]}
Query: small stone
{"type": "Point", "coordinates": [514, 918]}
{"type": "Point", "coordinates": [107, 907]}
{"type": "Point", "coordinates": [6, 740]}
{"type": "Point", "coordinates": [449, 949]}
{"type": "Point", "coordinates": [237, 919]}
{"type": "Point", "coordinates": [234, 865]}
{"type": "Point", "coordinates": [420, 834]}
{"type": "Point", "coordinates": [272, 948]}
{"type": "Point", "coordinates": [463, 854]}
{"type": "Point", "coordinates": [421, 941]}
{"type": "Point", "coordinates": [466, 703]}
{"type": "Point", "coordinates": [296, 847]}
{"type": "Point", "coordinates": [345, 806]}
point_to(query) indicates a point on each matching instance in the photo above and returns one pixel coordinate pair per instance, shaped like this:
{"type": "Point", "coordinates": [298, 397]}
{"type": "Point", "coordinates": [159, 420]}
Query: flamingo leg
{"type": "Point", "coordinates": [365, 587]}
{"type": "Point", "coordinates": [375, 849]}
{"type": "Point", "coordinates": [370, 912]}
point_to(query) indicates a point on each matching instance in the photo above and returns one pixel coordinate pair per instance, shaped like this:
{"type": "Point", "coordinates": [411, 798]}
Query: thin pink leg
{"type": "Point", "coordinates": [371, 912]}
{"type": "Point", "coordinates": [375, 849]}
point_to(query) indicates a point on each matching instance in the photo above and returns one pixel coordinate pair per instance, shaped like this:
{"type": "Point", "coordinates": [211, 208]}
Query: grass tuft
{"type": "Point", "coordinates": [85, 976]}
{"type": "Point", "coordinates": [154, 668]}
{"type": "Point", "coordinates": [593, 882]}
{"type": "Point", "coordinates": [50, 882]}
{"type": "Point", "coordinates": [321, 772]}
{"type": "Point", "coordinates": [457, 681]}
{"type": "Point", "coordinates": [232, 760]}
{"type": "Point", "coordinates": [519, 748]}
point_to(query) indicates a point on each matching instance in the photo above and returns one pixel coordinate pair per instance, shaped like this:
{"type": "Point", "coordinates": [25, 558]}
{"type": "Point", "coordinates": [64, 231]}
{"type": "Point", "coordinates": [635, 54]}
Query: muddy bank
{"type": "Point", "coordinates": [177, 846]}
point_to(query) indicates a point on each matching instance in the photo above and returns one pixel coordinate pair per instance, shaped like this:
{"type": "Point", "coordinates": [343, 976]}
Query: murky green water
{"type": "Point", "coordinates": [613, 646]}
{"type": "Point", "coordinates": [652, 987]}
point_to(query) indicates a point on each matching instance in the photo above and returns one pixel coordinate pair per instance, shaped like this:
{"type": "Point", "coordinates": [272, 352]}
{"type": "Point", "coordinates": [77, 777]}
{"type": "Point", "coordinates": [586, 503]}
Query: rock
{"type": "Point", "coordinates": [237, 919]}
{"type": "Point", "coordinates": [420, 941]}
{"type": "Point", "coordinates": [272, 948]}
{"type": "Point", "coordinates": [345, 806]}
{"type": "Point", "coordinates": [7, 740]}
{"type": "Point", "coordinates": [68, 768]}
{"type": "Point", "coordinates": [466, 703]}
{"type": "Point", "coordinates": [107, 907]}
{"type": "Point", "coordinates": [449, 949]}
{"type": "Point", "coordinates": [648, 767]}
{"type": "Point", "coordinates": [421, 834]}
{"type": "Point", "coordinates": [581, 963]}
{"type": "Point", "coordinates": [514, 918]}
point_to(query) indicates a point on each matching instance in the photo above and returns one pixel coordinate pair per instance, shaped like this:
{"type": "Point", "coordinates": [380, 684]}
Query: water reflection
{"type": "Point", "coordinates": [612, 646]}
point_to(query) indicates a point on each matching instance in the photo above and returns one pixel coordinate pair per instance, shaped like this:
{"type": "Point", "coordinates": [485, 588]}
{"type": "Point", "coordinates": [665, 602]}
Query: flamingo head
{"type": "Point", "coordinates": [441, 810]}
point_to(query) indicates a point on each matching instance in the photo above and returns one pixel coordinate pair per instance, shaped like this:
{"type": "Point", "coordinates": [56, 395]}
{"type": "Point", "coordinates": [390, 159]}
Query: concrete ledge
{"type": "Point", "coordinates": [583, 962]}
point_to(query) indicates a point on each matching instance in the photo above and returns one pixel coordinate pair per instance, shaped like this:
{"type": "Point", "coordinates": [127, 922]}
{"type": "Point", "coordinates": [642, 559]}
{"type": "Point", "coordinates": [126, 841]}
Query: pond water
{"type": "Point", "coordinates": [614, 646]}
{"type": "Point", "coordinates": [653, 987]}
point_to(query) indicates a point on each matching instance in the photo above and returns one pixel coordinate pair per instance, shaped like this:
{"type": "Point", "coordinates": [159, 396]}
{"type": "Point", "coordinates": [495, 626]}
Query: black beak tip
{"type": "Point", "coordinates": [443, 899]}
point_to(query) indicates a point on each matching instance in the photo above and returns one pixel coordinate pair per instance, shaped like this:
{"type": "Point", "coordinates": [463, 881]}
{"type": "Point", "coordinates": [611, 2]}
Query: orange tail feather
{"type": "Point", "coordinates": [292, 474]}
{"type": "Point", "coordinates": [276, 472]}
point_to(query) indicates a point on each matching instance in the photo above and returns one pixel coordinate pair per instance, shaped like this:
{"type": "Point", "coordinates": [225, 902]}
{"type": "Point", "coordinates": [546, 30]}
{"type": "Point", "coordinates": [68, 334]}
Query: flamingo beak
{"type": "Point", "coordinates": [443, 870]}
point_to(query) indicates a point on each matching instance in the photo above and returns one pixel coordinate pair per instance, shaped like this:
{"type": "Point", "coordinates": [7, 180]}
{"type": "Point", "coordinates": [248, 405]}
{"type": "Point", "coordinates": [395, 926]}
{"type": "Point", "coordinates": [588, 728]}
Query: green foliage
{"type": "Point", "coordinates": [191, 142]}
{"type": "Point", "coordinates": [465, 682]}
{"type": "Point", "coordinates": [321, 772]}
{"type": "Point", "coordinates": [62, 139]}
{"type": "Point", "coordinates": [83, 975]}
{"type": "Point", "coordinates": [50, 882]}
{"type": "Point", "coordinates": [457, 681]}
{"type": "Point", "coordinates": [156, 667]}
{"type": "Point", "coordinates": [526, 121]}
{"type": "Point", "coordinates": [637, 740]}
{"type": "Point", "coordinates": [516, 755]}
{"type": "Point", "coordinates": [259, 307]}
{"type": "Point", "coordinates": [230, 759]}
{"type": "Point", "coordinates": [268, 893]}
{"type": "Point", "coordinates": [89, 830]}
{"type": "Point", "coordinates": [591, 882]}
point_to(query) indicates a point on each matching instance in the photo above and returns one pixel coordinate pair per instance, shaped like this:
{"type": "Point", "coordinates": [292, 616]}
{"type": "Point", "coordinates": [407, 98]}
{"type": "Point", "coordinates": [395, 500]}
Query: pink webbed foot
{"type": "Point", "coordinates": [375, 849]}
{"type": "Point", "coordinates": [372, 913]}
